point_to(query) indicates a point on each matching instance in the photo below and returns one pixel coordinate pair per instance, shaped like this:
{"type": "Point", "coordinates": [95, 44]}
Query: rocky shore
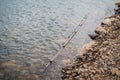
{"type": "Point", "coordinates": [100, 59]}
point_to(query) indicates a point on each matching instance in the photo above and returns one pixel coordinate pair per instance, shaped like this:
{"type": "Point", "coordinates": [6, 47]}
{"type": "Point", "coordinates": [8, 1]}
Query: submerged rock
{"type": "Point", "coordinates": [93, 36]}
{"type": "Point", "coordinates": [9, 64]}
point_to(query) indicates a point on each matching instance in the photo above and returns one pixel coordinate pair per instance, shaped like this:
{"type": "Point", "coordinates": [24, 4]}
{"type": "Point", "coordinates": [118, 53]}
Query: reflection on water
{"type": "Point", "coordinates": [32, 31]}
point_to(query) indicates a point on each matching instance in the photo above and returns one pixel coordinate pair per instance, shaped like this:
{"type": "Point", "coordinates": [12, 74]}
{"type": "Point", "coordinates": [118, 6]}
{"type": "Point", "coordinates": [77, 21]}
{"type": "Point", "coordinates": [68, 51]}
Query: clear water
{"type": "Point", "coordinates": [33, 31]}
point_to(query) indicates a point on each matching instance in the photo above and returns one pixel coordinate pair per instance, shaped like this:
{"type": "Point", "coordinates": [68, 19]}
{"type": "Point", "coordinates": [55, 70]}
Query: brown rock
{"type": "Point", "coordinates": [107, 22]}
{"type": "Point", "coordinates": [68, 72]}
{"type": "Point", "coordinates": [100, 31]}
{"type": "Point", "coordinates": [66, 61]}
{"type": "Point", "coordinates": [117, 3]}
{"type": "Point", "coordinates": [113, 70]}
{"type": "Point", "coordinates": [102, 70]}
{"type": "Point", "coordinates": [103, 57]}
{"type": "Point", "coordinates": [81, 79]}
{"type": "Point", "coordinates": [118, 73]}
{"type": "Point", "coordinates": [88, 47]}
{"type": "Point", "coordinates": [93, 71]}
{"type": "Point", "coordinates": [85, 65]}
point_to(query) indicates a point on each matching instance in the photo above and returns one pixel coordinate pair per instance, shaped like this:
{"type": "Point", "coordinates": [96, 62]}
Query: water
{"type": "Point", "coordinates": [33, 31]}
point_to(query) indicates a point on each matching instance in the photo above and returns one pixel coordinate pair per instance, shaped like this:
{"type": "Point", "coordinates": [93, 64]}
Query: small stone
{"type": "Point", "coordinates": [77, 77]}
{"type": "Point", "coordinates": [113, 19]}
{"type": "Point", "coordinates": [37, 77]}
{"type": "Point", "coordinates": [113, 70]}
{"type": "Point", "coordinates": [100, 31]}
{"type": "Point", "coordinates": [81, 79]}
{"type": "Point", "coordinates": [68, 72]}
{"type": "Point", "coordinates": [108, 53]}
{"type": "Point", "coordinates": [88, 47]}
{"type": "Point", "coordinates": [67, 75]}
{"type": "Point", "coordinates": [85, 65]}
{"type": "Point", "coordinates": [66, 61]}
{"type": "Point", "coordinates": [113, 62]}
{"type": "Point", "coordinates": [105, 42]}
{"type": "Point", "coordinates": [118, 73]}
{"type": "Point", "coordinates": [85, 70]}
{"type": "Point", "coordinates": [99, 71]}
{"type": "Point", "coordinates": [62, 71]}
{"type": "Point", "coordinates": [74, 74]}
{"type": "Point", "coordinates": [65, 79]}
{"type": "Point", "coordinates": [103, 57]}
{"type": "Point", "coordinates": [102, 70]}
{"type": "Point", "coordinates": [107, 22]}
{"type": "Point", "coordinates": [93, 71]}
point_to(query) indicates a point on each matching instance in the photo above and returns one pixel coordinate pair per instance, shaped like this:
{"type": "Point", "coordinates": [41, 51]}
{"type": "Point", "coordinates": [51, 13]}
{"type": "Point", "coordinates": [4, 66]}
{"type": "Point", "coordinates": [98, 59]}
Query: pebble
{"type": "Point", "coordinates": [93, 71]}
{"type": "Point", "coordinates": [81, 79]}
{"type": "Point", "coordinates": [118, 73]}
{"type": "Point", "coordinates": [107, 22]}
{"type": "Point", "coordinates": [85, 66]}
{"type": "Point", "coordinates": [66, 61]}
{"type": "Point", "coordinates": [113, 70]}
{"type": "Point", "coordinates": [100, 31]}
{"type": "Point", "coordinates": [68, 72]}
{"type": "Point", "coordinates": [102, 70]}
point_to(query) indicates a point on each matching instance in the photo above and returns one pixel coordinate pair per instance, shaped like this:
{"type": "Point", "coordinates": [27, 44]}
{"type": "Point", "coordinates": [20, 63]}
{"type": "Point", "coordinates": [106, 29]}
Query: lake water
{"type": "Point", "coordinates": [33, 31]}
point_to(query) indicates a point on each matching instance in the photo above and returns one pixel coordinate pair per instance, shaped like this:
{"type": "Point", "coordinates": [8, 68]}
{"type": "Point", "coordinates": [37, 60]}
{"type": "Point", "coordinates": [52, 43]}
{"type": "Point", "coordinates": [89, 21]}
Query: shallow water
{"type": "Point", "coordinates": [33, 31]}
